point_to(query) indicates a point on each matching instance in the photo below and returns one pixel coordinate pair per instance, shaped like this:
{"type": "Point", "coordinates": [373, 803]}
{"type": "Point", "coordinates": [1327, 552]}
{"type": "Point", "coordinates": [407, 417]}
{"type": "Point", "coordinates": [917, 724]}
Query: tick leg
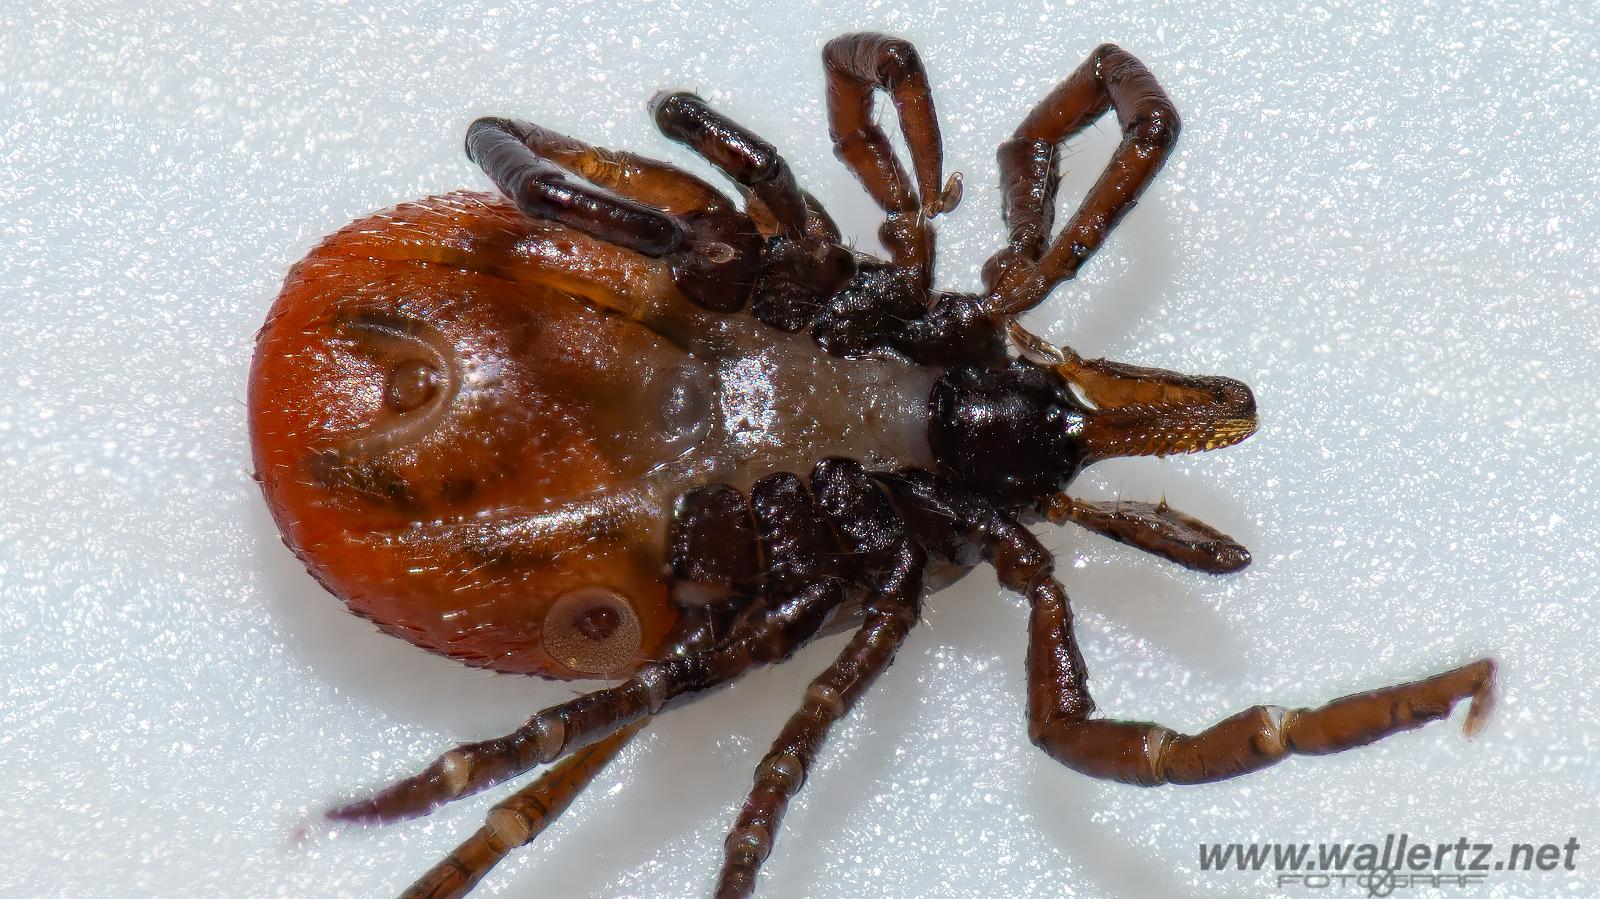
{"type": "Point", "coordinates": [1147, 754]}
{"type": "Point", "coordinates": [519, 819]}
{"type": "Point", "coordinates": [507, 151]}
{"type": "Point", "coordinates": [739, 152]}
{"type": "Point", "coordinates": [713, 252]}
{"type": "Point", "coordinates": [889, 616]}
{"type": "Point", "coordinates": [871, 531]}
{"type": "Point", "coordinates": [856, 66]}
{"type": "Point", "coordinates": [1155, 528]}
{"type": "Point", "coordinates": [804, 263]}
{"type": "Point", "coordinates": [522, 817]}
{"type": "Point", "coordinates": [657, 184]}
{"type": "Point", "coordinates": [561, 729]}
{"type": "Point", "coordinates": [1021, 275]}
{"type": "Point", "coordinates": [801, 588]}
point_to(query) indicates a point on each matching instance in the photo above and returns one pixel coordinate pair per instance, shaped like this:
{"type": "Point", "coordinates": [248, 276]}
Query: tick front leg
{"type": "Point", "coordinates": [1156, 528]}
{"type": "Point", "coordinates": [1147, 754]}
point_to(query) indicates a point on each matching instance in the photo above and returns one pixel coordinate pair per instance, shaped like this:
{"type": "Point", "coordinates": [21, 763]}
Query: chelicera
{"type": "Point", "coordinates": [613, 425]}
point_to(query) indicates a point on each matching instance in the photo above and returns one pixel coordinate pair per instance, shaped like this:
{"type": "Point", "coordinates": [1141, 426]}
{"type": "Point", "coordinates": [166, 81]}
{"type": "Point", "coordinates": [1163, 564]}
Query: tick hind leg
{"type": "Point", "coordinates": [762, 639]}
{"type": "Point", "coordinates": [1147, 754]}
{"type": "Point", "coordinates": [1021, 275]}
{"type": "Point", "coordinates": [518, 820]}
{"type": "Point", "coordinates": [888, 618]}
{"type": "Point", "coordinates": [801, 592]}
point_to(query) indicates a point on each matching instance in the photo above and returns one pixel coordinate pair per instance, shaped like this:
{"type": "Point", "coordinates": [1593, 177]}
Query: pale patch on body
{"type": "Point", "coordinates": [744, 401]}
{"type": "Point", "coordinates": [782, 404]}
{"type": "Point", "coordinates": [753, 401]}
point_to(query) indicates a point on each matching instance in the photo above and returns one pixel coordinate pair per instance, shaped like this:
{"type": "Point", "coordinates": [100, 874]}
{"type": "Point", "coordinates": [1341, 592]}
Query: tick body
{"type": "Point", "coordinates": [610, 423]}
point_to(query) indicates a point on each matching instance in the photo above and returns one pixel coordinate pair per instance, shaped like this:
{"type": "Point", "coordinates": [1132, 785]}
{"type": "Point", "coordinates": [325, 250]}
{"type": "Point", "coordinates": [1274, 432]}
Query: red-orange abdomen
{"type": "Point", "coordinates": [453, 444]}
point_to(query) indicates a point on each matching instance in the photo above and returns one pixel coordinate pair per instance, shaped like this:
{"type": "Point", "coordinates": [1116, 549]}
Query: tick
{"type": "Point", "coordinates": [611, 424]}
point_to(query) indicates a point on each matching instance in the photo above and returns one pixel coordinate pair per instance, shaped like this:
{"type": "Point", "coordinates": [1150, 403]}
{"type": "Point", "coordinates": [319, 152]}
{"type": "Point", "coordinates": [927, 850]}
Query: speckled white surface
{"type": "Point", "coordinates": [1385, 220]}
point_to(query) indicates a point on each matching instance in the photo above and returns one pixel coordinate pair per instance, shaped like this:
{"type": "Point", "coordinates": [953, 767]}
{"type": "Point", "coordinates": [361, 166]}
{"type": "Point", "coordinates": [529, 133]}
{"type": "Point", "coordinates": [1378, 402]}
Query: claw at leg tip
{"type": "Point", "coordinates": [951, 197]}
{"type": "Point", "coordinates": [1231, 559]}
{"type": "Point", "coordinates": [1481, 709]}
{"type": "Point", "coordinates": [360, 812]}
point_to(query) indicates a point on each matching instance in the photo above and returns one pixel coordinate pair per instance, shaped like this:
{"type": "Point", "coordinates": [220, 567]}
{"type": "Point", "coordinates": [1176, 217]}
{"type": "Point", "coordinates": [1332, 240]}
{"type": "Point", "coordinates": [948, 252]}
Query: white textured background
{"type": "Point", "coordinates": [1382, 218]}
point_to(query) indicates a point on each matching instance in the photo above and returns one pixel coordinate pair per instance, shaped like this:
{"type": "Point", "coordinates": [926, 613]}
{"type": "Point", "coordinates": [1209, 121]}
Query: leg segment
{"type": "Point", "coordinates": [1147, 754]}
{"type": "Point", "coordinates": [541, 189]}
{"type": "Point", "coordinates": [558, 730]}
{"type": "Point", "coordinates": [869, 530]}
{"type": "Point", "coordinates": [857, 65]}
{"type": "Point", "coordinates": [522, 817]}
{"type": "Point", "coordinates": [547, 736]}
{"type": "Point", "coordinates": [1155, 528]}
{"type": "Point", "coordinates": [741, 154]}
{"type": "Point", "coordinates": [803, 263]}
{"type": "Point", "coordinates": [656, 184]}
{"type": "Point", "coordinates": [713, 250]}
{"type": "Point", "coordinates": [519, 819]}
{"type": "Point", "coordinates": [1021, 275]}
{"type": "Point", "coordinates": [889, 617]}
